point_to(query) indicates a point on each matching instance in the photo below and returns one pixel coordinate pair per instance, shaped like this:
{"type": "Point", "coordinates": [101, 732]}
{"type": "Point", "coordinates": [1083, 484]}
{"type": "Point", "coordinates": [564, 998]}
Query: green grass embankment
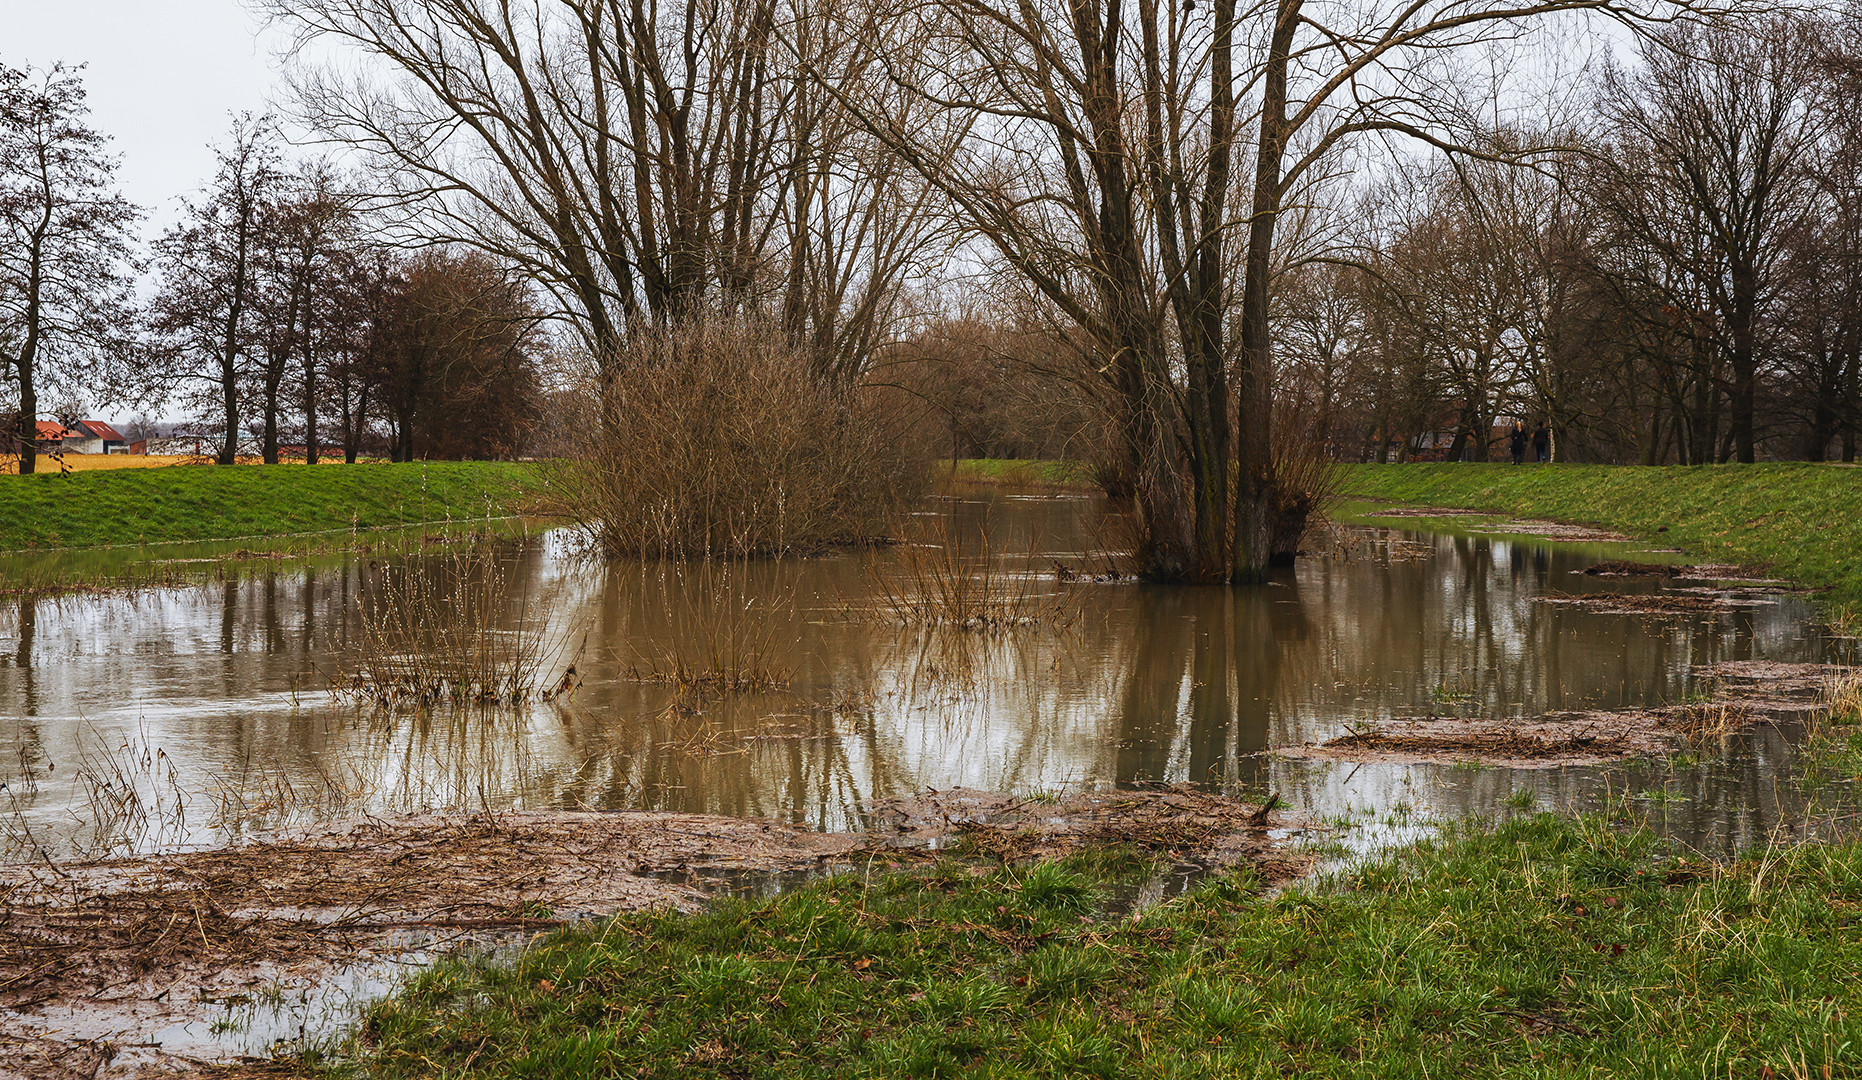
{"type": "Point", "coordinates": [1019, 472]}
{"type": "Point", "coordinates": [1802, 521]}
{"type": "Point", "coordinates": [194, 503]}
{"type": "Point", "coordinates": [1546, 946]}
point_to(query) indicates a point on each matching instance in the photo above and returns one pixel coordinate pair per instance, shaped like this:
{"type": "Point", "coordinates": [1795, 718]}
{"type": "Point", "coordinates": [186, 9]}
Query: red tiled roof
{"type": "Point", "coordinates": [52, 429]}
{"type": "Point", "coordinates": [102, 430]}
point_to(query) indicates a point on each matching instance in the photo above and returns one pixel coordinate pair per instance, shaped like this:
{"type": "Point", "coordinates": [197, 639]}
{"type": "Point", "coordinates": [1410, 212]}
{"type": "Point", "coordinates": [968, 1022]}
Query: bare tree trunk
{"type": "Point", "coordinates": [1254, 373]}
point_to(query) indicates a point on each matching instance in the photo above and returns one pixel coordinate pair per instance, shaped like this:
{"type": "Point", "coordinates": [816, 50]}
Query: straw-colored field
{"type": "Point", "coordinates": [9, 464]}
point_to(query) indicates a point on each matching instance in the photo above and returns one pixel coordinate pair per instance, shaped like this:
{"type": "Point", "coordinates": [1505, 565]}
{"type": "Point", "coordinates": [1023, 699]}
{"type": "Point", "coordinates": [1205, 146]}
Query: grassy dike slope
{"type": "Point", "coordinates": [1802, 520]}
{"type": "Point", "coordinates": [202, 502]}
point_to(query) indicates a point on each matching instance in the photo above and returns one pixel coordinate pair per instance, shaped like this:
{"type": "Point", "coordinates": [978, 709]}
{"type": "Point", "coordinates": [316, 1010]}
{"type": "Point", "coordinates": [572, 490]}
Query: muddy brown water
{"type": "Point", "coordinates": [212, 702]}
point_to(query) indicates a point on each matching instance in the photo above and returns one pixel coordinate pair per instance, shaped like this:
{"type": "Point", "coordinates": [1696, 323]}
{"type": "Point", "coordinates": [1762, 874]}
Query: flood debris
{"type": "Point", "coordinates": [1182, 823]}
{"type": "Point", "coordinates": [113, 968]}
{"type": "Point", "coordinates": [1738, 695]}
{"type": "Point", "coordinates": [1428, 512]}
{"type": "Point", "coordinates": [1578, 738]}
{"type": "Point", "coordinates": [1658, 603]}
{"type": "Point", "coordinates": [1556, 530]}
{"type": "Point", "coordinates": [1779, 690]}
{"type": "Point", "coordinates": [1501, 524]}
{"type": "Point", "coordinates": [1626, 568]}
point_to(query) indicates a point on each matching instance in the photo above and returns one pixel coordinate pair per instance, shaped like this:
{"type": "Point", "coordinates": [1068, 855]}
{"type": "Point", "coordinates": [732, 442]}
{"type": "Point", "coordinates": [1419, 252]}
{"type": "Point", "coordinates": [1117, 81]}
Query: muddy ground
{"type": "Point", "coordinates": [115, 968]}
{"type": "Point", "coordinates": [1691, 602]}
{"type": "Point", "coordinates": [1509, 526]}
{"type": "Point", "coordinates": [1741, 694]}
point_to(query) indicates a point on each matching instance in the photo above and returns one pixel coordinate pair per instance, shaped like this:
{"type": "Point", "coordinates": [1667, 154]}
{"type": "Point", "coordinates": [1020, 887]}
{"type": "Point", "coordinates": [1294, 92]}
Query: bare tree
{"type": "Point", "coordinates": [452, 358]}
{"type": "Point", "coordinates": [65, 262]}
{"type": "Point", "coordinates": [1709, 174]}
{"type": "Point", "coordinates": [306, 232]}
{"type": "Point", "coordinates": [1092, 146]}
{"type": "Point", "coordinates": [644, 164]}
{"type": "Point", "coordinates": [210, 267]}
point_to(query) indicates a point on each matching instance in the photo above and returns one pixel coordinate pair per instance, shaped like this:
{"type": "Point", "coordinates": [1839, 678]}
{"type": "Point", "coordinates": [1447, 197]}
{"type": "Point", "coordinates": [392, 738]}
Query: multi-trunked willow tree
{"type": "Point", "coordinates": [1125, 162]}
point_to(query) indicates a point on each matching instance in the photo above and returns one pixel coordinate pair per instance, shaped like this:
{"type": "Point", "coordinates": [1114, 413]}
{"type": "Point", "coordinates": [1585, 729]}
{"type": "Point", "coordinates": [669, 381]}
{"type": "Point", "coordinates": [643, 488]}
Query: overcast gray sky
{"type": "Point", "coordinates": [164, 78]}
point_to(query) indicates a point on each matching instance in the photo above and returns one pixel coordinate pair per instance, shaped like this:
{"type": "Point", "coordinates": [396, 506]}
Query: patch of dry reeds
{"type": "Point", "coordinates": [936, 579]}
{"type": "Point", "coordinates": [1842, 699]}
{"type": "Point", "coordinates": [719, 439]}
{"type": "Point", "coordinates": [448, 630]}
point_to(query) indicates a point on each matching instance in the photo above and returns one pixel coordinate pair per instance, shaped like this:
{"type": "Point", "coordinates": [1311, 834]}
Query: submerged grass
{"type": "Point", "coordinates": [1020, 473]}
{"type": "Point", "coordinates": [1543, 945]}
{"type": "Point", "coordinates": [937, 579]}
{"type": "Point", "coordinates": [1802, 520]}
{"type": "Point", "coordinates": [454, 629]}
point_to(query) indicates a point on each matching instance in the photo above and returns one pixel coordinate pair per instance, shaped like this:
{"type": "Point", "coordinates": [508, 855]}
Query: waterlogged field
{"type": "Point", "coordinates": [807, 690]}
{"type": "Point", "coordinates": [1410, 670]}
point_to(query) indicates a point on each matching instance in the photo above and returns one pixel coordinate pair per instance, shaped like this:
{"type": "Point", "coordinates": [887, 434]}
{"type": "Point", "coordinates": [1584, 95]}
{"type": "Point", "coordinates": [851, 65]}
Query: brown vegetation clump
{"type": "Point", "coordinates": [1307, 482]}
{"type": "Point", "coordinates": [719, 439]}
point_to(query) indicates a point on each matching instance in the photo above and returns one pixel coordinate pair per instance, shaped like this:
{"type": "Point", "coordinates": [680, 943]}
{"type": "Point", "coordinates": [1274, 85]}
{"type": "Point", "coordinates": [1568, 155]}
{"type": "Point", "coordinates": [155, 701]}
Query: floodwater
{"type": "Point", "coordinates": [212, 702]}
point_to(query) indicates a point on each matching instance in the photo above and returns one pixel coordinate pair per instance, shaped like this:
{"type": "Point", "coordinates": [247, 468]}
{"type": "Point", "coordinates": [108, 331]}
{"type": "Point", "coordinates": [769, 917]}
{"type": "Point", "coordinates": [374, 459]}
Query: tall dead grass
{"type": "Point", "coordinates": [449, 630]}
{"type": "Point", "coordinates": [937, 579]}
{"type": "Point", "coordinates": [719, 440]}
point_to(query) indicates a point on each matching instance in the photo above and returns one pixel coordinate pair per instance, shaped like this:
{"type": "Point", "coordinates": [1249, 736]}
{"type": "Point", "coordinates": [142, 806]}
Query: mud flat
{"type": "Point", "coordinates": [1743, 694]}
{"type": "Point", "coordinates": [97, 959]}
{"type": "Point", "coordinates": [1508, 526]}
{"type": "Point", "coordinates": [1707, 602]}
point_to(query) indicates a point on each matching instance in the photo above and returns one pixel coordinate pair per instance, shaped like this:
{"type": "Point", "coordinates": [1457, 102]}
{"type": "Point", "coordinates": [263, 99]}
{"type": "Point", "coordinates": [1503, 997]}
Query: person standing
{"type": "Point", "coordinates": [1542, 443]}
{"type": "Point", "coordinates": [1517, 437]}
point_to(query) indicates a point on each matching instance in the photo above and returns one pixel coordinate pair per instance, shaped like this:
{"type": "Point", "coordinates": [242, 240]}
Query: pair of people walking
{"type": "Point", "coordinates": [1541, 439]}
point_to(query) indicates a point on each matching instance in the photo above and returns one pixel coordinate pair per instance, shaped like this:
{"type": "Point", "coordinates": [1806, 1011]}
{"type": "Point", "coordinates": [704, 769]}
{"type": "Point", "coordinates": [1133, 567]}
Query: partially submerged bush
{"type": "Point", "coordinates": [1306, 483]}
{"type": "Point", "coordinates": [719, 439]}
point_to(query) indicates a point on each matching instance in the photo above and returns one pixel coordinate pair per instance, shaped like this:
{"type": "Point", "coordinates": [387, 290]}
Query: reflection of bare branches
{"type": "Point", "coordinates": [725, 629]}
{"type": "Point", "coordinates": [930, 580]}
{"type": "Point", "coordinates": [442, 630]}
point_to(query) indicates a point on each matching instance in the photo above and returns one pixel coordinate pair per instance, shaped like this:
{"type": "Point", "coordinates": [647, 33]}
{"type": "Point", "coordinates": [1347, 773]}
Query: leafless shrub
{"type": "Point", "coordinates": [719, 439]}
{"type": "Point", "coordinates": [1306, 481]}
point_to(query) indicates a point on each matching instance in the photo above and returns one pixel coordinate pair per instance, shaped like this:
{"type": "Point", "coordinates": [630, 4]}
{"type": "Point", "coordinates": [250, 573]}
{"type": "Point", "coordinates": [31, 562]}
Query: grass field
{"type": "Point", "coordinates": [1543, 946]}
{"type": "Point", "coordinates": [175, 505]}
{"type": "Point", "coordinates": [9, 464]}
{"type": "Point", "coordinates": [1801, 520]}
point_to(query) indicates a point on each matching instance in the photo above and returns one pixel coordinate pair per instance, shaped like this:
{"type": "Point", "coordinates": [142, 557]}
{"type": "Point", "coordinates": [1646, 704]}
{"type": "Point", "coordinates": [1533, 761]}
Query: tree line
{"type": "Point", "coordinates": [1677, 279]}
{"type": "Point", "coordinates": [1199, 243]}
{"type": "Point", "coordinates": [269, 312]}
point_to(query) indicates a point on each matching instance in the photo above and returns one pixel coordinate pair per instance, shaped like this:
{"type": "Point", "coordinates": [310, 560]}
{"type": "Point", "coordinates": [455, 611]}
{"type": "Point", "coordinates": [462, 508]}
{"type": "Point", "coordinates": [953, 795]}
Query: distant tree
{"type": "Point", "coordinates": [210, 265]}
{"type": "Point", "coordinates": [305, 236]}
{"type": "Point", "coordinates": [65, 260]}
{"type": "Point", "coordinates": [453, 359]}
{"type": "Point", "coordinates": [1714, 135]}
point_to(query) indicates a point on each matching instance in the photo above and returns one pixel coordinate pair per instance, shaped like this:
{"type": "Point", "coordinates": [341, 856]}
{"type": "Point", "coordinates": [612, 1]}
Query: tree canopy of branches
{"type": "Point", "coordinates": [644, 164]}
{"type": "Point", "coordinates": [452, 356]}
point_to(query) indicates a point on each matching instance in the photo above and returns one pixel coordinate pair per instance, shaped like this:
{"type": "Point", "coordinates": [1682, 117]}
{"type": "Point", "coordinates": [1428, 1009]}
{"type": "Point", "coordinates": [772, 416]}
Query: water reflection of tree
{"type": "Point", "coordinates": [1205, 681]}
